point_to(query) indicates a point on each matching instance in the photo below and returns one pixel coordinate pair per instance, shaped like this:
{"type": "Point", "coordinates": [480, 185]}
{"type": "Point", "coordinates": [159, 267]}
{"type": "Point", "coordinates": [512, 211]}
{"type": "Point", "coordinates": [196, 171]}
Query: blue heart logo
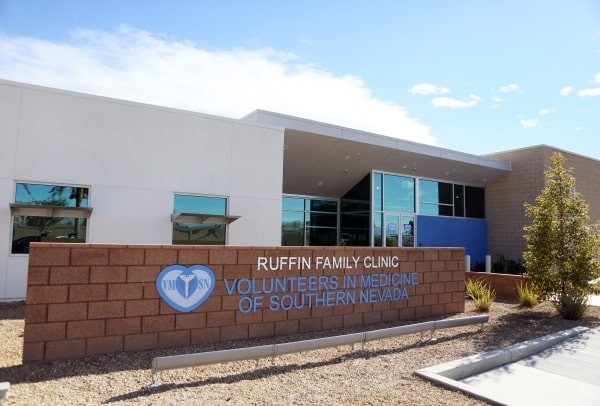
{"type": "Point", "coordinates": [184, 289]}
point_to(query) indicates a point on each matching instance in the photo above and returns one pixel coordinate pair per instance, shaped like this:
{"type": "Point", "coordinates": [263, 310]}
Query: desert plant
{"type": "Point", "coordinates": [527, 295]}
{"type": "Point", "coordinates": [571, 307]}
{"type": "Point", "coordinates": [562, 247]}
{"type": "Point", "coordinates": [481, 294]}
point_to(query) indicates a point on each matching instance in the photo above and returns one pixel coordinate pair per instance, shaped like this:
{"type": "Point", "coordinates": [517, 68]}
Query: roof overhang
{"type": "Point", "coordinates": [326, 160]}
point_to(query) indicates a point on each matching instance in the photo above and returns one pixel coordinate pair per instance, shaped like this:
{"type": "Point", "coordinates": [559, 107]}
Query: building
{"type": "Point", "coordinates": [82, 168]}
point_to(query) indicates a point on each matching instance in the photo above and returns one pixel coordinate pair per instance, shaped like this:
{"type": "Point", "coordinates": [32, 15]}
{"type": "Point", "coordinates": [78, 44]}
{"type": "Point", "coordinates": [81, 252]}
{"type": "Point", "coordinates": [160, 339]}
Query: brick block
{"type": "Point", "coordinates": [423, 312]}
{"type": "Point", "coordinates": [49, 256]}
{"type": "Point", "coordinates": [452, 286]}
{"type": "Point", "coordinates": [307, 325]}
{"type": "Point", "coordinates": [137, 342]}
{"type": "Point", "coordinates": [161, 256]}
{"type": "Point", "coordinates": [389, 315]}
{"type": "Point", "coordinates": [125, 291]}
{"type": "Point", "coordinates": [126, 256]}
{"type": "Point", "coordinates": [47, 294]}
{"type": "Point", "coordinates": [261, 330]}
{"type": "Point", "coordinates": [158, 323]}
{"type": "Point", "coordinates": [407, 314]}
{"type": "Point", "coordinates": [86, 328]}
{"type": "Point", "coordinates": [249, 318]}
{"type": "Point", "coordinates": [38, 275]}
{"type": "Point", "coordinates": [108, 274]}
{"type": "Point", "coordinates": [217, 319]}
{"type": "Point", "coordinates": [105, 310]}
{"type": "Point", "coordinates": [269, 315]}
{"type": "Point", "coordinates": [331, 322]}
{"type": "Point", "coordinates": [372, 317]}
{"type": "Point", "coordinates": [67, 311]}
{"type": "Point", "coordinates": [205, 335]}
{"type": "Point", "coordinates": [423, 266]}
{"type": "Point", "coordinates": [168, 339]}
{"type": "Point", "coordinates": [36, 313]}
{"type": "Point", "coordinates": [230, 333]}
{"type": "Point", "coordinates": [65, 349]}
{"type": "Point", "coordinates": [286, 327]}
{"type": "Point", "coordinates": [44, 331]}
{"type": "Point", "coordinates": [445, 298]}
{"type": "Point", "coordinates": [143, 307]}
{"type": "Point", "coordinates": [85, 293]}
{"type": "Point", "coordinates": [424, 289]}
{"type": "Point", "coordinates": [249, 256]}
{"type": "Point", "coordinates": [445, 276]}
{"type": "Point", "coordinates": [142, 273]}
{"type": "Point", "coordinates": [103, 345]}
{"type": "Point", "coordinates": [416, 255]}
{"type": "Point", "coordinates": [303, 313]}
{"type": "Point", "coordinates": [33, 351]}
{"type": "Point", "coordinates": [430, 254]}
{"type": "Point", "coordinates": [429, 300]}
{"type": "Point", "coordinates": [233, 271]}
{"type": "Point", "coordinates": [192, 256]}
{"type": "Point", "coordinates": [189, 321]}
{"type": "Point", "coordinates": [415, 301]}
{"type": "Point", "coordinates": [222, 256]}
{"type": "Point", "coordinates": [458, 296]}
{"type": "Point", "coordinates": [439, 287]}
{"type": "Point", "coordinates": [123, 326]}
{"type": "Point", "coordinates": [89, 256]}
{"type": "Point", "coordinates": [60, 275]}
{"type": "Point", "coordinates": [353, 319]}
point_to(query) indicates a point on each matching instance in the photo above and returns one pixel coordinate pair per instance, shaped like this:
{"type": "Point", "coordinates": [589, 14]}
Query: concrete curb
{"type": "Point", "coordinates": [449, 374]}
{"type": "Point", "coordinates": [4, 387]}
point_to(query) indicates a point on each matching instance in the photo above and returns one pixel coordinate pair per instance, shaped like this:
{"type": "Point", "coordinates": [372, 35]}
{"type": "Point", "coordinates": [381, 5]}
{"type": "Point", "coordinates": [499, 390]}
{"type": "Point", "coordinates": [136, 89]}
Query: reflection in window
{"type": "Point", "coordinates": [398, 193]}
{"type": "Point", "coordinates": [45, 227]}
{"type": "Point", "coordinates": [307, 221]}
{"type": "Point", "coordinates": [200, 233]}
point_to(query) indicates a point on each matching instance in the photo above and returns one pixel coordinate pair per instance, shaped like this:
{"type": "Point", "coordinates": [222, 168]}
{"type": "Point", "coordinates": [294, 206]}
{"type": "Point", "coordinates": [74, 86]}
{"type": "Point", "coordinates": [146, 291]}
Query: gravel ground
{"type": "Point", "coordinates": [379, 373]}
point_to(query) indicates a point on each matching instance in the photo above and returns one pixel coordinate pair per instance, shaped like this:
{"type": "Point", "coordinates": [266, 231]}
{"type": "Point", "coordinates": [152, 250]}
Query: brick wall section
{"type": "Point", "coordinates": [505, 285]}
{"type": "Point", "coordinates": [85, 299]}
{"type": "Point", "coordinates": [505, 197]}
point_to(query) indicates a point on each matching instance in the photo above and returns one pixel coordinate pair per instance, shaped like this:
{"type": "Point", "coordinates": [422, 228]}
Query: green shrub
{"type": "Point", "coordinates": [527, 295]}
{"type": "Point", "coordinates": [481, 294]}
{"type": "Point", "coordinates": [571, 307]}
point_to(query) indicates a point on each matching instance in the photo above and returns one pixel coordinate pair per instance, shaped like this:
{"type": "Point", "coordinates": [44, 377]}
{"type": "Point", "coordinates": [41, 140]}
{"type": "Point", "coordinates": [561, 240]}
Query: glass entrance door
{"type": "Point", "coordinates": [392, 223]}
{"type": "Point", "coordinates": [398, 230]}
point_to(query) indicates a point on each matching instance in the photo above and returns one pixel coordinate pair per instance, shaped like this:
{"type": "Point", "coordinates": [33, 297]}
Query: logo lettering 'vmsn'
{"type": "Point", "coordinates": [185, 288]}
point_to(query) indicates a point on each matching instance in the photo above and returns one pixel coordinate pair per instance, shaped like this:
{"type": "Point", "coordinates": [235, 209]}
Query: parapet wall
{"type": "Point", "coordinates": [85, 299]}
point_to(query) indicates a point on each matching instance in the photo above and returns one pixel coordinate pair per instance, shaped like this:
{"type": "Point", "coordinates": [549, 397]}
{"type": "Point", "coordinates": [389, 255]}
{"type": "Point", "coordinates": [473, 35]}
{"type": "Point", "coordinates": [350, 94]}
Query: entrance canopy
{"type": "Point", "coordinates": [326, 160]}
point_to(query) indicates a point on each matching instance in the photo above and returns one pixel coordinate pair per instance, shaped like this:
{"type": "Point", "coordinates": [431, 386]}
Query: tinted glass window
{"type": "Point", "coordinates": [398, 193]}
{"type": "Point", "coordinates": [51, 195]}
{"type": "Point", "coordinates": [475, 202]}
{"type": "Point", "coordinates": [199, 233]}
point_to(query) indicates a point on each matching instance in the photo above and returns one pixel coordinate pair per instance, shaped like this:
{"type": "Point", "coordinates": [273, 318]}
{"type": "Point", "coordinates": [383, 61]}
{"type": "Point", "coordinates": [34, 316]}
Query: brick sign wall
{"type": "Point", "coordinates": [85, 299]}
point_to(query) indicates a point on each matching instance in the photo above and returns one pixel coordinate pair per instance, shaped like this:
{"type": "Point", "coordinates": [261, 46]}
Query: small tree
{"type": "Point", "coordinates": [561, 259]}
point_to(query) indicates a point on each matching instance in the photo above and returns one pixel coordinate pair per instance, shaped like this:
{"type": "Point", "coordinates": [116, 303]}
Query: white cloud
{"type": "Point", "coordinates": [545, 112]}
{"type": "Point", "coordinates": [140, 66]}
{"type": "Point", "coordinates": [455, 103]}
{"type": "Point", "coordinates": [511, 88]}
{"type": "Point", "coordinates": [497, 99]}
{"type": "Point", "coordinates": [565, 91]}
{"type": "Point", "coordinates": [580, 129]}
{"type": "Point", "coordinates": [528, 122]}
{"type": "Point", "coordinates": [589, 92]}
{"type": "Point", "coordinates": [425, 89]}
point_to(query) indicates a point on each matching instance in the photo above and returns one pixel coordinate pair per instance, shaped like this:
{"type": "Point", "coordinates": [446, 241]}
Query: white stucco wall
{"type": "Point", "coordinates": [134, 157]}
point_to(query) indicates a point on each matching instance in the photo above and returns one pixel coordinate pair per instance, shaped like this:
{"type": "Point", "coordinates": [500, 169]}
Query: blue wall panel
{"type": "Point", "coordinates": [435, 231]}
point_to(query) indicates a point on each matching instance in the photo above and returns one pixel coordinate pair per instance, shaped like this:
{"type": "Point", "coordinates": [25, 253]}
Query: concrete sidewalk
{"type": "Point", "coordinates": [558, 369]}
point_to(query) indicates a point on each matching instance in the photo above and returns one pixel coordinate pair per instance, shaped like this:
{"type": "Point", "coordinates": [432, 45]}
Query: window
{"type": "Point", "coordinates": [435, 198]}
{"type": "Point", "coordinates": [447, 199]}
{"type": "Point", "coordinates": [307, 221]}
{"type": "Point", "coordinates": [398, 193]}
{"type": "Point", "coordinates": [200, 220]}
{"type": "Point", "coordinates": [52, 213]}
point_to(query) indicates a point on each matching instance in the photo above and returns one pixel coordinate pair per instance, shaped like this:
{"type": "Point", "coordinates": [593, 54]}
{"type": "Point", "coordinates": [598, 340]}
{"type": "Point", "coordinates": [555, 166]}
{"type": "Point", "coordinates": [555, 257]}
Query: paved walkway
{"type": "Point", "coordinates": [558, 369]}
{"type": "Point", "coordinates": [567, 373]}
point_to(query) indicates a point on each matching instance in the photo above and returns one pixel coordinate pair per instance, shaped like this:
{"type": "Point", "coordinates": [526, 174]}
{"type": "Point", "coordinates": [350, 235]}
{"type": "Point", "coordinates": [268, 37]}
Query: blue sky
{"type": "Point", "coordinates": [475, 76]}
